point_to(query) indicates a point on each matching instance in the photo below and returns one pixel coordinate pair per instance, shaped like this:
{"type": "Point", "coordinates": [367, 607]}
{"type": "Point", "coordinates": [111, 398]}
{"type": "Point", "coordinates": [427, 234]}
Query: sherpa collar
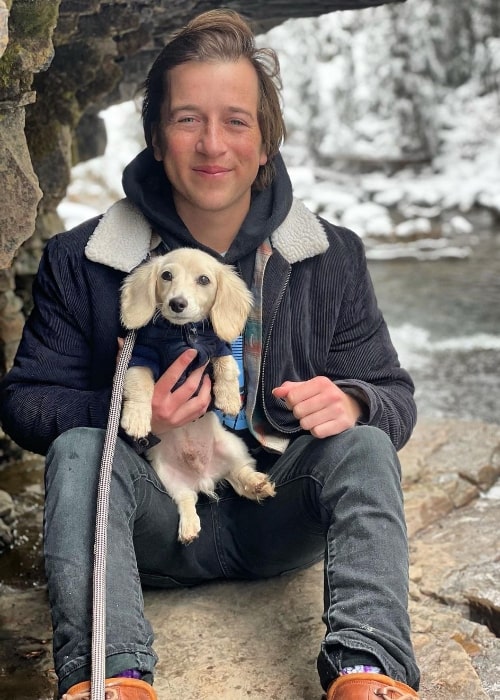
{"type": "Point", "coordinates": [123, 237]}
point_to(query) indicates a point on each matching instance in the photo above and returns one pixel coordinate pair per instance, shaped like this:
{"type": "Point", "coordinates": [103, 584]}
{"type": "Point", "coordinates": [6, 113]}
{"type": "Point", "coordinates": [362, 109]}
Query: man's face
{"type": "Point", "coordinates": [209, 139]}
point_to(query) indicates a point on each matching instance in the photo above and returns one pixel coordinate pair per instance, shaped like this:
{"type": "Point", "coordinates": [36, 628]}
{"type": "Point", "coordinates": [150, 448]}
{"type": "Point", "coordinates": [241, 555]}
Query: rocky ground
{"type": "Point", "coordinates": [230, 641]}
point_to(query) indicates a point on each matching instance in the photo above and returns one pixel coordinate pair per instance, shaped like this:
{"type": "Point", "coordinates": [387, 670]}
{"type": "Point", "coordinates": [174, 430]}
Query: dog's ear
{"type": "Point", "coordinates": [232, 305]}
{"type": "Point", "coordinates": [138, 296]}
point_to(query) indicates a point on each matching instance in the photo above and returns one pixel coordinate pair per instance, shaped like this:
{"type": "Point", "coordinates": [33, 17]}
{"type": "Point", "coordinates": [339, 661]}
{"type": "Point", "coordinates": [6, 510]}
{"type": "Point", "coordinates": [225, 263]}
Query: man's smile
{"type": "Point", "coordinates": [211, 169]}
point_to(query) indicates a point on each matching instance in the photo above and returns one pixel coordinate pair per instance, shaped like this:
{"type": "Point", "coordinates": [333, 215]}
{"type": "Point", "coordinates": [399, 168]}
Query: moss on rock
{"type": "Point", "coordinates": [33, 19]}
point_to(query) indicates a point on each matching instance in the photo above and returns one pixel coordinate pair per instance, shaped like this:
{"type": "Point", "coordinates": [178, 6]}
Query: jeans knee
{"type": "Point", "coordinates": [71, 440]}
{"type": "Point", "coordinates": [373, 441]}
{"type": "Point", "coordinates": [363, 450]}
{"type": "Point", "coordinates": [378, 451]}
{"type": "Point", "coordinates": [73, 459]}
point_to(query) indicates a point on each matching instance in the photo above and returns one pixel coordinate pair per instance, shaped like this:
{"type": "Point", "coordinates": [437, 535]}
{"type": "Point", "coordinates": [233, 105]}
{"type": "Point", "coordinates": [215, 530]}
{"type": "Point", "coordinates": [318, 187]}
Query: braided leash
{"type": "Point", "coordinates": [100, 544]}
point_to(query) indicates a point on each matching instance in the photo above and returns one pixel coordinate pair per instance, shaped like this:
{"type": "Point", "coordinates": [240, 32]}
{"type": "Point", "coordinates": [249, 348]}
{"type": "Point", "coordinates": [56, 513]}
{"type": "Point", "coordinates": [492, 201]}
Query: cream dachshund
{"type": "Point", "coordinates": [184, 299]}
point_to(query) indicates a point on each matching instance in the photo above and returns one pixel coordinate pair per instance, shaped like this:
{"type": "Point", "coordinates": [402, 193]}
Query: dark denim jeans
{"type": "Point", "coordinates": [339, 499]}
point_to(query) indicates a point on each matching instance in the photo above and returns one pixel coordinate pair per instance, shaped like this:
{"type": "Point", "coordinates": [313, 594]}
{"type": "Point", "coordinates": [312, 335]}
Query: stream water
{"type": "Point", "coordinates": [444, 317]}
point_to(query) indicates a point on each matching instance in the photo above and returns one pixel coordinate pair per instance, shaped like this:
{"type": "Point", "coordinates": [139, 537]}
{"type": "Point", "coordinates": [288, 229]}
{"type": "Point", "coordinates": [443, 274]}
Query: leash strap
{"type": "Point", "coordinates": [98, 673]}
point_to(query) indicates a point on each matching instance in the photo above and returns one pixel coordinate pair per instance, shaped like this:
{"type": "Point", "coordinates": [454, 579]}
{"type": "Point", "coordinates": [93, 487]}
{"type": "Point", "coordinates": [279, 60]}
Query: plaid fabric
{"type": "Point", "coordinates": [257, 422]}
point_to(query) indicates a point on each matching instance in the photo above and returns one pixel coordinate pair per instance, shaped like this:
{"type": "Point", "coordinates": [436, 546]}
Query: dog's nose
{"type": "Point", "coordinates": [178, 304]}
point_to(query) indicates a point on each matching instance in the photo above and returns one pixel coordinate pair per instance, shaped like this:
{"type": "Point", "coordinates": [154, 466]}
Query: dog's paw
{"type": "Point", "coordinates": [227, 403]}
{"type": "Point", "coordinates": [257, 486]}
{"type": "Point", "coordinates": [227, 396]}
{"type": "Point", "coordinates": [189, 529]}
{"type": "Point", "coordinates": [136, 420]}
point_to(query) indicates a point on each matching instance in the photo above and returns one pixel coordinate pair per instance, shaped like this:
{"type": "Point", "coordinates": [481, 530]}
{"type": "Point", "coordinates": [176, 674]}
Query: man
{"type": "Point", "coordinates": [326, 402]}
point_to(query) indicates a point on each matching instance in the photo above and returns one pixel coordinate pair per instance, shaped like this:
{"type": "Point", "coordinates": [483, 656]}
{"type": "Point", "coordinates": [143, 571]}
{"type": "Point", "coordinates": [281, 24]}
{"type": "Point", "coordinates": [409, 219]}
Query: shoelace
{"type": "Point", "coordinates": [392, 694]}
{"type": "Point", "coordinates": [110, 694]}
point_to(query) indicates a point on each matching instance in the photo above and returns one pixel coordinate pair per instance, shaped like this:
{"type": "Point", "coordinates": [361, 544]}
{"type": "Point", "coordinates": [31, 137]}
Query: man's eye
{"type": "Point", "coordinates": [203, 280]}
{"type": "Point", "coordinates": [167, 276]}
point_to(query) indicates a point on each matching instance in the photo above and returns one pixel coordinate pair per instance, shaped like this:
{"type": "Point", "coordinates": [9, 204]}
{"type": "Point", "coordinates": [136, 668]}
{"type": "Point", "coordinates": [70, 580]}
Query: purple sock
{"type": "Point", "coordinates": [361, 668]}
{"type": "Point", "coordinates": [129, 673]}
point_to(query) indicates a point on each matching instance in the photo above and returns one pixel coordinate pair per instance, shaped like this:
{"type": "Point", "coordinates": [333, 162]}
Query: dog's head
{"type": "Point", "coordinates": [186, 285]}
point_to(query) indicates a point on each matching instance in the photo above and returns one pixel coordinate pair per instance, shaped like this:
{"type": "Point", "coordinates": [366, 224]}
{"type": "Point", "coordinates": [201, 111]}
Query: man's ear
{"type": "Point", "coordinates": [157, 142]}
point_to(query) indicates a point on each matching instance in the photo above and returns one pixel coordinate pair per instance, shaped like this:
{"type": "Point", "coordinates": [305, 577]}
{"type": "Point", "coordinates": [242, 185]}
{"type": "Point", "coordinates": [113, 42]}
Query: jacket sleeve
{"type": "Point", "coordinates": [363, 361]}
{"type": "Point", "coordinates": [49, 388]}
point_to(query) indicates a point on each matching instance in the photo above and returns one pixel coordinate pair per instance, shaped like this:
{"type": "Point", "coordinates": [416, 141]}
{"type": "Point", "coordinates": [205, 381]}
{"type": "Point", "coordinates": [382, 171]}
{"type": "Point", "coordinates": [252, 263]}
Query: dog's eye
{"type": "Point", "coordinates": [167, 276]}
{"type": "Point", "coordinates": [203, 280]}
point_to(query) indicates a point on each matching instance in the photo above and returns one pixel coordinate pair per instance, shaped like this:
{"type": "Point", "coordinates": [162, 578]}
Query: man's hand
{"type": "Point", "coordinates": [171, 409]}
{"type": "Point", "coordinates": [320, 406]}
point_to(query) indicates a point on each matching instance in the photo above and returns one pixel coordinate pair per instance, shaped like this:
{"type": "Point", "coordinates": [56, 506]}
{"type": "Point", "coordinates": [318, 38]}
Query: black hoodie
{"type": "Point", "coordinates": [146, 185]}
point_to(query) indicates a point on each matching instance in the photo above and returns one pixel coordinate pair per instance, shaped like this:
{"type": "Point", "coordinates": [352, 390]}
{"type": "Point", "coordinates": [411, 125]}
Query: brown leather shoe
{"type": "Point", "coordinates": [369, 686]}
{"type": "Point", "coordinates": [115, 689]}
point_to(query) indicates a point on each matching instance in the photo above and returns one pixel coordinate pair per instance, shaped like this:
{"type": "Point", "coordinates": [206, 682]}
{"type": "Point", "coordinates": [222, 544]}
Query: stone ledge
{"type": "Point", "coordinates": [260, 640]}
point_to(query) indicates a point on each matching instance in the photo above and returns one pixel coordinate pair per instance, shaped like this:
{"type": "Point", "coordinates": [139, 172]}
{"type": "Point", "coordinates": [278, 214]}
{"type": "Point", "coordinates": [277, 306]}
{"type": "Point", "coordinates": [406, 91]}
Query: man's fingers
{"type": "Point", "coordinates": [188, 402]}
{"type": "Point", "coordinates": [191, 385]}
{"type": "Point", "coordinates": [172, 375]}
{"type": "Point", "coordinates": [283, 392]}
{"type": "Point", "coordinates": [120, 348]}
{"type": "Point", "coordinates": [205, 392]}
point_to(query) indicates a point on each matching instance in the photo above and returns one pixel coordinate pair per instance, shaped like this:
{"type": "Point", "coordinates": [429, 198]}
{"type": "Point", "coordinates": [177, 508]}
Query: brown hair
{"type": "Point", "coordinates": [220, 35]}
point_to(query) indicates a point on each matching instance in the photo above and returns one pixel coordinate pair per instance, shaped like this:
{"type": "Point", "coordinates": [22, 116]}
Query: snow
{"type": "Point", "coordinates": [413, 227]}
{"type": "Point", "coordinates": [96, 183]}
{"type": "Point", "coordinates": [366, 218]}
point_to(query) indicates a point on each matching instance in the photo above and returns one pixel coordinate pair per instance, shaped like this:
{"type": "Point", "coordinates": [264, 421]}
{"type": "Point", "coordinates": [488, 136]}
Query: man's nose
{"type": "Point", "coordinates": [211, 139]}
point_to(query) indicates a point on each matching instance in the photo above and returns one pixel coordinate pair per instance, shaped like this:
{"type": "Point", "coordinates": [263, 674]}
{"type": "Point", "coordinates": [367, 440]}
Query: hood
{"type": "Point", "coordinates": [145, 184]}
{"type": "Point", "coordinates": [131, 228]}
